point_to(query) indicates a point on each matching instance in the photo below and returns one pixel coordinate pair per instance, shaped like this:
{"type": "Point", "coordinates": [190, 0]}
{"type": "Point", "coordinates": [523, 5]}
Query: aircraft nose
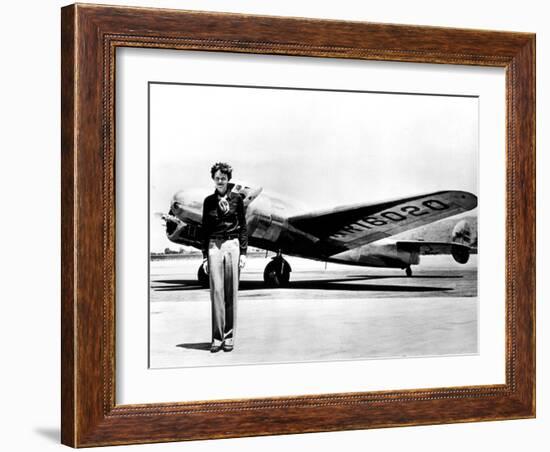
{"type": "Point", "coordinates": [178, 202]}
{"type": "Point", "coordinates": [187, 205]}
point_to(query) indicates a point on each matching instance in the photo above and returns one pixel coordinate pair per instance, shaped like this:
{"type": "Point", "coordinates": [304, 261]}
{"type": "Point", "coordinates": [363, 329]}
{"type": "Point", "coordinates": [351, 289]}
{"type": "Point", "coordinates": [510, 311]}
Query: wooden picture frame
{"type": "Point", "coordinates": [90, 36]}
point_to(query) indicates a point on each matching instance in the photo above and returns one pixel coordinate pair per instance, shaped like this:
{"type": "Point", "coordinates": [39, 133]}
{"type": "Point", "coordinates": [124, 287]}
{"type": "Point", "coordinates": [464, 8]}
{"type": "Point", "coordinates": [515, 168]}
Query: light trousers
{"type": "Point", "coordinates": [223, 267]}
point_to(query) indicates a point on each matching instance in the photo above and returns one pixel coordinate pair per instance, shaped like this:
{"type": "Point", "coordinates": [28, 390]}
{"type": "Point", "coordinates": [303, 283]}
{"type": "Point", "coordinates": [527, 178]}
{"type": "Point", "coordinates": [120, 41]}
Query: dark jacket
{"type": "Point", "coordinates": [216, 224]}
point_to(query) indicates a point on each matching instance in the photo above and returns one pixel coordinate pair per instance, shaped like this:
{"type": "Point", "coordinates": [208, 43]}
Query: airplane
{"type": "Point", "coordinates": [370, 235]}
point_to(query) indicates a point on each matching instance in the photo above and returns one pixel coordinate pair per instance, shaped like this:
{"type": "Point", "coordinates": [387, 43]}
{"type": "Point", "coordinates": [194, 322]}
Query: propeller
{"type": "Point", "coordinates": [168, 217]}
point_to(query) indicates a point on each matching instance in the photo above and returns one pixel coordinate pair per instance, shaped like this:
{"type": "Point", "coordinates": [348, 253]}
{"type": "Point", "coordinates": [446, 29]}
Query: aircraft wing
{"type": "Point", "coordinates": [352, 226]}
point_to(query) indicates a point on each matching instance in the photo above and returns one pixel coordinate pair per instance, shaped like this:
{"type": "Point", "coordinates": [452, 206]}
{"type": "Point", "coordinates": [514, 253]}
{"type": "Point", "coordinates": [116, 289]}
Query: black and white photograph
{"type": "Point", "coordinates": [387, 277]}
{"type": "Point", "coordinates": [291, 224]}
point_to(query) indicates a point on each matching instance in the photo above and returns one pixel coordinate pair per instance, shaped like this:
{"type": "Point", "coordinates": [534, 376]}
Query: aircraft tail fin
{"type": "Point", "coordinates": [465, 233]}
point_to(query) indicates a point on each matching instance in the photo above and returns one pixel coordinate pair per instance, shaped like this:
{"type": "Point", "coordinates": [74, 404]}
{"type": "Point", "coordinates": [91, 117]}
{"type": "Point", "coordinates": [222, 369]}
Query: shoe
{"type": "Point", "coordinates": [215, 348]}
{"type": "Point", "coordinates": [227, 348]}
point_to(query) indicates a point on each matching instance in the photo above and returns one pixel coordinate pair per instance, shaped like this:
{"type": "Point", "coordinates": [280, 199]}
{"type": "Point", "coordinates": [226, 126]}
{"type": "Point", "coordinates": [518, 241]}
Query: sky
{"type": "Point", "coordinates": [321, 148]}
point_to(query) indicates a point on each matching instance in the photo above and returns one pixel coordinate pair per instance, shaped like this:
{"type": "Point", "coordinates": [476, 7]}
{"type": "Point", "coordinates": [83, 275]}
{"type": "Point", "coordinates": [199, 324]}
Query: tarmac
{"type": "Point", "coordinates": [329, 312]}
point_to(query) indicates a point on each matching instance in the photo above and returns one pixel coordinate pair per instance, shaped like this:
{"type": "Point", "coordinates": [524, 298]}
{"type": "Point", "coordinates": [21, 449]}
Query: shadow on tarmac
{"type": "Point", "coordinates": [196, 346]}
{"type": "Point", "coordinates": [406, 277]}
{"type": "Point", "coordinates": [317, 284]}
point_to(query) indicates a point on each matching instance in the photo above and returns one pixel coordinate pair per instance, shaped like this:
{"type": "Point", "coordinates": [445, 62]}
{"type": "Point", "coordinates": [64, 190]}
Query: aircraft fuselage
{"type": "Point", "coordinates": [269, 229]}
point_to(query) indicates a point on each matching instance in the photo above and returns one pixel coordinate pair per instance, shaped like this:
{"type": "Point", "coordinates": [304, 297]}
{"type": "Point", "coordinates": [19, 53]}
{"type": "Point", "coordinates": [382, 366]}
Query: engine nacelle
{"type": "Point", "coordinates": [182, 233]}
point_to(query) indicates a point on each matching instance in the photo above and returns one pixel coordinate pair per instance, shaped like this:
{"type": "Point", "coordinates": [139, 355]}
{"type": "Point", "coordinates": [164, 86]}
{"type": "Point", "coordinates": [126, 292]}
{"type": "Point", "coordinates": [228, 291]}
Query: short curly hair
{"type": "Point", "coordinates": [225, 168]}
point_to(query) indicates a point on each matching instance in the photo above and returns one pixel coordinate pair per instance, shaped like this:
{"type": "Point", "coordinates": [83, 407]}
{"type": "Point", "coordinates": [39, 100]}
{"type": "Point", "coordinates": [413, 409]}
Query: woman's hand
{"type": "Point", "coordinates": [242, 261]}
{"type": "Point", "coordinates": [205, 266]}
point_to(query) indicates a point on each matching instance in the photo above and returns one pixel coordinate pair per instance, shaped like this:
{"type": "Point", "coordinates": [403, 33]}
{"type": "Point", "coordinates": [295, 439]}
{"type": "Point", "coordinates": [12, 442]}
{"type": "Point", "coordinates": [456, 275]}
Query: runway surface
{"type": "Point", "coordinates": [337, 313]}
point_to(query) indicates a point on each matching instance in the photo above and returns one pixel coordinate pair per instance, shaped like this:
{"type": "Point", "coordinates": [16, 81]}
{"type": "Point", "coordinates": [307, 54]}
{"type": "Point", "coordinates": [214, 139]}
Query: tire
{"type": "Point", "coordinates": [202, 277]}
{"type": "Point", "coordinates": [274, 276]}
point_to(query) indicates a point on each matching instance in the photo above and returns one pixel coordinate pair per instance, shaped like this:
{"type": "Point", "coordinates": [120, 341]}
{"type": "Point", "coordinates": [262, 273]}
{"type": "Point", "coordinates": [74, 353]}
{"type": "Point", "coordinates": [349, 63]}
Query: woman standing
{"type": "Point", "coordinates": [224, 252]}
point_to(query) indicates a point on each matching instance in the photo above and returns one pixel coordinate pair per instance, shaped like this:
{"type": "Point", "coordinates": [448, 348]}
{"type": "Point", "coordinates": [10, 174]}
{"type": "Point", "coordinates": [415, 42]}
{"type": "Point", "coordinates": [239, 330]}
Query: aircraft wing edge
{"type": "Point", "coordinates": [377, 206]}
{"type": "Point", "coordinates": [355, 225]}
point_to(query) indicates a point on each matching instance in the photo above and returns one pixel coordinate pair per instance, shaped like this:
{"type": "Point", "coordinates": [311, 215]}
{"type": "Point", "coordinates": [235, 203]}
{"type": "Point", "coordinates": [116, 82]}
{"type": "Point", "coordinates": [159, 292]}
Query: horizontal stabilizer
{"type": "Point", "coordinates": [459, 251]}
{"type": "Point", "coordinates": [430, 248]}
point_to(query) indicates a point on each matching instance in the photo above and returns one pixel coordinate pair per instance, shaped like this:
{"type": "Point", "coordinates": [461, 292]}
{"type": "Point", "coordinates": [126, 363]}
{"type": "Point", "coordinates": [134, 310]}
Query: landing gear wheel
{"type": "Point", "coordinates": [408, 271]}
{"type": "Point", "coordinates": [203, 278]}
{"type": "Point", "coordinates": [277, 273]}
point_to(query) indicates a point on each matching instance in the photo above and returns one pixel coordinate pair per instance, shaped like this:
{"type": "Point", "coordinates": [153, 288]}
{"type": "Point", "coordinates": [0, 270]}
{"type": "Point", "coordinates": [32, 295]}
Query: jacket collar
{"type": "Point", "coordinates": [227, 192]}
